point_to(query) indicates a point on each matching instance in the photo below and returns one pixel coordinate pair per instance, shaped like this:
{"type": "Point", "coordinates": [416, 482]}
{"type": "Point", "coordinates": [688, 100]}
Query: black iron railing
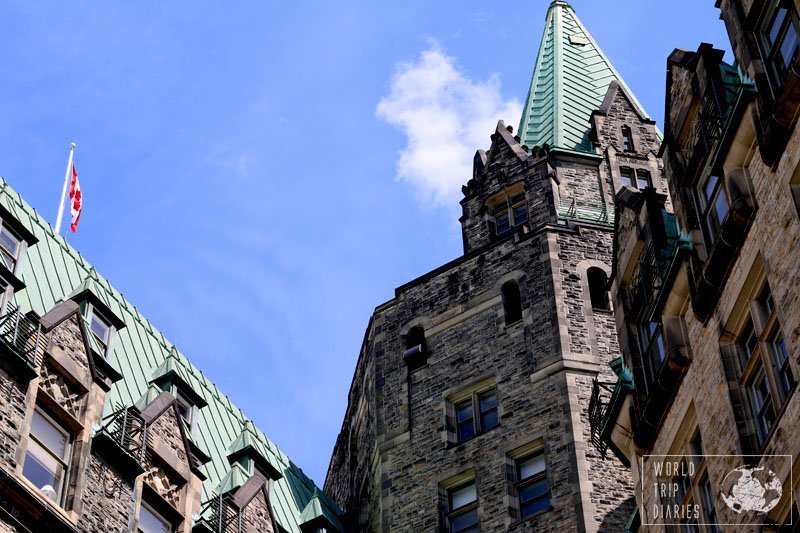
{"type": "Point", "coordinates": [220, 515]}
{"type": "Point", "coordinates": [127, 429]}
{"type": "Point", "coordinates": [602, 393]}
{"type": "Point", "coordinates": [23, 336]}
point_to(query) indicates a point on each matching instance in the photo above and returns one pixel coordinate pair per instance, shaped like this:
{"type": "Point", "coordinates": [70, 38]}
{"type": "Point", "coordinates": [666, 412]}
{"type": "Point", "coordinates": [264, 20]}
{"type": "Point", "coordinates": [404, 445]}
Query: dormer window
{"type": "Point", "coordinates": [100, 326]}
{"type": "Point", "coordinates": [186, 408]}
{"type": "Point", "coordinates": [509, 209]}
{"type": "Point", "coordinates": [10, 245]}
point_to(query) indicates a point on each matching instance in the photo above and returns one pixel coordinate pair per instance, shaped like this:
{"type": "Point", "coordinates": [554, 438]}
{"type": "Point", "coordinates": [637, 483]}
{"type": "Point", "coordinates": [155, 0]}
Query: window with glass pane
{"type": "Point", "coordinates": [761, 398]}
{"type": "Point", "coordinates": [748, 340]}
{"type": "Point", "coordinates": [152, 522]}
{"type": "Point", "coordinates": [532, 490]}
{"type": "Point", "coordinates": [487, 402]}
{"type": "Point", "coordinates": [709, 511]}
{"type": "Point", "coordinates": [627, 139]}
{"type": "Point", "coordinates": [502, 219]}
{"type": "Point", "coordinates": [9, 248]}
{"type": "Point", "coordinates": [643, 179]}
{"type": "Point", "coordinates": [780, 40]}
{"type": "Point", "coordinates": [714, 205]}
{"type": "Point", "coordinates": [47, 456]}
{"type": "Point", "coordinates": [780, 354]}
{"type": "Point", "coordinates": [462, 514]}
{"type": "Point", "coordinates": [627, 177]}
{"type": "Point", "coordinates": [99, 326]}
{"type": "Point", "coordinates": [465, 420]}
{"type": "Point", "coordinates": [519, 209]}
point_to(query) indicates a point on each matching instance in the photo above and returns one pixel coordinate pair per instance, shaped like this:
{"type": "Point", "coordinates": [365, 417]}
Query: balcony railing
{"type": "Point", "coordinates": [219, 515]}
{"type": "Point", "coordinates": [605, 404]}
{"type": "Point", "coordinates": [124, 435]}
{"type": "Point", "coordinates": [23, 339]}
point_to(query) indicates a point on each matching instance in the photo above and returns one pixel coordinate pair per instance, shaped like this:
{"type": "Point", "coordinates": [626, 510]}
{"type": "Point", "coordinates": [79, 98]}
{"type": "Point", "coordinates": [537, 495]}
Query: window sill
{"type": "Point", "coordinates": [512, 324]}
{"type": "Point", "coordinates": [451, 445]}
{"type": "Point", "coordinates": [530, 518]}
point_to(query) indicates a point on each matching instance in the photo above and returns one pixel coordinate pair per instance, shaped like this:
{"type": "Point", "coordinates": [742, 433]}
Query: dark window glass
{"type": "Point", "coordinates": [749, 343]}
{"type": "Point", "coordinates": [465, 420]}
{"type": "Point", "coordinates": [709, 511]}
{"type": "Point", "coordinates": [487, 403]}
{"type": "Point", "coordinates": [780, 41]}
{"type": "Point", "coordinates": [763, 409]}
{"type": "Point", "coordinates": [780, 355]}
{"type": "Point", "coordinates": [512, 304]}
{"type": "Point", "coordinates": [532, 484]}
{"type": "Point", "coordinates": [627, 139]}
{"type": "Point", "coordinates": [714, 205]}
{"type": "Point", "coordinates": [598, 291]}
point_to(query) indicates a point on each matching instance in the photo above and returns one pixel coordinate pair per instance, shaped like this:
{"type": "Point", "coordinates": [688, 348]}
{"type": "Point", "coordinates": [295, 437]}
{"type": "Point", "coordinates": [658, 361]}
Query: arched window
{"type": "Point", "coordinates": [416, 354]}
{"type": "Point", "coordinates": [512, 303]}
{"type": "Point", "coordinates": [598, 290]}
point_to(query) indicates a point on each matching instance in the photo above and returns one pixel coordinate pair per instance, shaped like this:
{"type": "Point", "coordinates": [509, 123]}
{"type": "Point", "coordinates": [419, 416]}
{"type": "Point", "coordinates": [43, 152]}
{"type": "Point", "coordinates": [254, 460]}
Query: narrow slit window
{"type": "Point", "coordinates": [512, 302]}
{"type": "Point", "coordinates": [627, 139]}
{"type": "Point", "coordinates": [598, 290]}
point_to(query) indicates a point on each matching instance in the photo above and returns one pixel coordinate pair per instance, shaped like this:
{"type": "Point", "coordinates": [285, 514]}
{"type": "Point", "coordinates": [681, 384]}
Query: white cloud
{"type": "Point", "coordinates": [446, 117]}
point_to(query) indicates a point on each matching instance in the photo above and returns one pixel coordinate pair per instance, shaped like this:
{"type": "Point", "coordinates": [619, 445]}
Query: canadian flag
{"type": "Point", "coordinates": [75, 199]}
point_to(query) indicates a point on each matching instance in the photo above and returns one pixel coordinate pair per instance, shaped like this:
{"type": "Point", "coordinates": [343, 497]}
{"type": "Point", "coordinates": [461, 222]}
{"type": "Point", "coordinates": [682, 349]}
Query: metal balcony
{"type": "Point", "coordinates": [22, 341]}
{"type": "Point", "coordinates": [123, 439]}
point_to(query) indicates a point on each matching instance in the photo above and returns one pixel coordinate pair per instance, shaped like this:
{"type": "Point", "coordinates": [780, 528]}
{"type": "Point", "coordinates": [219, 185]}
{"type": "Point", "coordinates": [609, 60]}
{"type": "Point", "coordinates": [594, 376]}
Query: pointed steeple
{"type": "Point", "coordinates": [569, 81]}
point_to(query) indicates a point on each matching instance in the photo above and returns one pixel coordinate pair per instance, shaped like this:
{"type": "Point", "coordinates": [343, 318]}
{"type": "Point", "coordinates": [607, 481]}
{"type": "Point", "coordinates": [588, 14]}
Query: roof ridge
{"type": "Point", "coordinates": [202, 380]}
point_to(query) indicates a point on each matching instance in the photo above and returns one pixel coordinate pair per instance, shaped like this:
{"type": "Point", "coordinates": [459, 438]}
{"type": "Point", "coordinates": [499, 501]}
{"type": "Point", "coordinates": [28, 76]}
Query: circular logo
{"type": "Point", "coordinates": [751, 489]}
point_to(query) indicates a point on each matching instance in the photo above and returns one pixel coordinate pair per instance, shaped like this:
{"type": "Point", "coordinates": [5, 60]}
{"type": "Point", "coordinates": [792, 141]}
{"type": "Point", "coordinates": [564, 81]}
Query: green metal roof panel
{"type": "Point", "coordinates": [52, 270]}
{"type": "Point", "coordinates": [569, 81]}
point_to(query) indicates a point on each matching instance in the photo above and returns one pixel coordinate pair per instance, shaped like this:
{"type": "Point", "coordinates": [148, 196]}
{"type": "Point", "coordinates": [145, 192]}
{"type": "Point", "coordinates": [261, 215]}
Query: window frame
{"type": "Point", "coordinates": [760, 365]}
{"type": "Point", "coordinates": [144, 506]}
{"type": "Point", "coordinates": [534, 479]}
{"type": "Point", "coordinates": [772, 49]}
{"type": "Point", "coordinates": [92, 314]}
{"type": "Point", "coordinates": [10, 259]}
{"type": "Point", "coordinates": [634, 177]}
{"type": "Point", "coordinates": [510, 205]}
{"type": "Point", "coordinates": [627, 139]}
{"type": "Point", "coordinates": [463, 510]}
{"type": "Point", "coordinates": [472, 398]}
{"type": "Point", "coordinates": [709, 206]}
{"type": "Point", "coordinates": [64, 461]}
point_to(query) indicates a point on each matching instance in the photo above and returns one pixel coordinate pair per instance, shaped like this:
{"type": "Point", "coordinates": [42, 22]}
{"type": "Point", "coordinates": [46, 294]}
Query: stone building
{"type": "Point", "coordinates": [469, 406]}
{"type": "Point", "coordinates": [106, 426]}
{"type": "Point", "coordinates": [706, 287]}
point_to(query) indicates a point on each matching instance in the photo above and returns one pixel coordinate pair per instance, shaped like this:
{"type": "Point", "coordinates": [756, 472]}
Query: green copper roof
{"type": "Point", "coordinates": [317, 511]}
{"type": "Point", "coordinates": [52, 271]}
{"type": "Point", "coordinates": [569, 81]}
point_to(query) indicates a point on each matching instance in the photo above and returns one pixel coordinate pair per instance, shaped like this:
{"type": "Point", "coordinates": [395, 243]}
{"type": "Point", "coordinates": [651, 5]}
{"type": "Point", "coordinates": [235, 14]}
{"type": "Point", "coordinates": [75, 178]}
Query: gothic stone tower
{"type": "Point", "coordinates": [469, 405]}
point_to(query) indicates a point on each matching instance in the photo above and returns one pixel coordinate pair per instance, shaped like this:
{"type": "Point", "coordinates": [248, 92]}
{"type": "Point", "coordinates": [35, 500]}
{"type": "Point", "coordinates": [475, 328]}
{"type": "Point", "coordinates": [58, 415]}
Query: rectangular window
{"type": "Point", "coordinates": [707, 503]}
{"type": "Point", "coordinates": [627, 139]}
{"type": "Point", "coordinates": [152, 522]}
{"type": "Point", "coordinates": [100, 327]}
{"type": "Point", "coordinates": [487, 402]}
{"type": "Point", "coordinates": [475, 412]}
{"type": "Point", "coordinates": [509, 209]}
{"type": "Point", "coordinates": [48, 456]}
{"type": "Point", "coordinates": [9, 248]}
{"type": "Point", "coordinates": [532, 490]}
{"type": "Point", "coordinates": [643, 179]}
{"type": "Point", "coordinates": [761, 397]}
{"type": "Point", "coordinates": [780, 355]}
{"type": "Point", "coordinates": [626, 176]}
{"type": "Point", "coordinates": [713, 205]}
{"type": "Point", "coordinates": [779, 40]}
{"type": "Point", "coordinates": [462, 512]}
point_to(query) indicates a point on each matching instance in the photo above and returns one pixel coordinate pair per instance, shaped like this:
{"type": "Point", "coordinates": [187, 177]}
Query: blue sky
{"type": "Point", "coordinates": [258, 176]}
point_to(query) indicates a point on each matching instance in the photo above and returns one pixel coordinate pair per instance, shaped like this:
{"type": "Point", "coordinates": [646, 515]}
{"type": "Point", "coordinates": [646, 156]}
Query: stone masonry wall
{"type": "Point", "coordinates": [108, 501]}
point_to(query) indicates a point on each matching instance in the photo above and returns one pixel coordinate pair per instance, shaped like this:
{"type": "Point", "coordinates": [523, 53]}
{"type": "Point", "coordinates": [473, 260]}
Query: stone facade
{"type": "Point", "coordinates": [447, 336]}
{"type": "Point", "coordinates": [718, 385]}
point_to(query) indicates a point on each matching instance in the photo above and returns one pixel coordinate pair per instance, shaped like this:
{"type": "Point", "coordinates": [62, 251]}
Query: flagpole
{"type": "Point", "coordinates": [64, 189]}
